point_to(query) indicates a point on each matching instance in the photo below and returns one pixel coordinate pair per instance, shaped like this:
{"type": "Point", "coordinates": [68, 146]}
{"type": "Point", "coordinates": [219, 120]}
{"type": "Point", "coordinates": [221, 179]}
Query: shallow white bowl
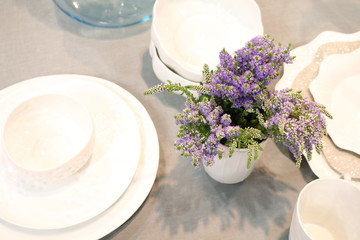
{"type": "Point", "coordinates": [191, 33]}
{"type": "Point", "coordinates": [163, 72]}
{"type": "Point", "coordinates": [48, 137]}
{"type": "Point", "coordinates": [337, 86]}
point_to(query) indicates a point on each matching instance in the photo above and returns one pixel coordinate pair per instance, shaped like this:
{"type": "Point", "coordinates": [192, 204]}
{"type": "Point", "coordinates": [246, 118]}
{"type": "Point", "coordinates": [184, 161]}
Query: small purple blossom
{"type": "Point", "coordinates": [202, 125]}
{"type": "Point", "coordinates": [242, 77]}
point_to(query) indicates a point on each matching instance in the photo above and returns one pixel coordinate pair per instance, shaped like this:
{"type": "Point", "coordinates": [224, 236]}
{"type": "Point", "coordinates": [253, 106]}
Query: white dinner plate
{"type": "Point", "coordinates": [131, 199]}
{"type": "Point", "coordinates": [299, 75]}
{"type": "Point", "coordinates": [97, 185]}
{"type": "Point", "coordinates": [337, 86]}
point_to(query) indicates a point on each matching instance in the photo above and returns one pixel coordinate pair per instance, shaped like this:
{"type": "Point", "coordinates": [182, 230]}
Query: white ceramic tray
{"type": "Point", "coordinates": [130, 200]}
{"type": "Point", "coordinates": [299, 76]}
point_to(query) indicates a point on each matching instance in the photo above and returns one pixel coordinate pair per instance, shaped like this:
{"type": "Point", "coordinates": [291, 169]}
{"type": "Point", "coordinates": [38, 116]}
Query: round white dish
{"type": "Point", "coordinates": [98, 184]}
{"type": "Point", "coordinates": [189, 34]}
{"type": "Point", "coordinates": [48, 137]}
{"type": "Point", "coordinates": [337, 86]}
{"type": "Point", "coordinates": [163, 72]}
{"type": "Point", "coordinates": [129, 202]}
{"type": "Point", "coordinates": [305, 56]}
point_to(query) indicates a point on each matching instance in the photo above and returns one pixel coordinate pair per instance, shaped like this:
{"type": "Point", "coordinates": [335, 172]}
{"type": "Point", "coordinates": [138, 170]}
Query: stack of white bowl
{"type": "Point", "coordinates": [187, 34]}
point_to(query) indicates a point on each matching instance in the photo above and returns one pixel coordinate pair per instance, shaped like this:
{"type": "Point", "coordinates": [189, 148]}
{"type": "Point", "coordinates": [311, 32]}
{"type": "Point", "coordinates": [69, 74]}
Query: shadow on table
{"type": "Point", "coordinates": [285, 235]}
{"type": "Point", "coordinates": [305, 169]}
{"type": "Point", "coordinates": [188, 198]}
{"type": "Point", "coordinates": [173, 100]}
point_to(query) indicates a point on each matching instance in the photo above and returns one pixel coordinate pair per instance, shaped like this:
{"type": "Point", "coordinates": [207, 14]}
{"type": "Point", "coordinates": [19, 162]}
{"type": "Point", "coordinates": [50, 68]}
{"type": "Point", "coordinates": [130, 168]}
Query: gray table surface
{"type": "Point", "coordinates": [37, 39]}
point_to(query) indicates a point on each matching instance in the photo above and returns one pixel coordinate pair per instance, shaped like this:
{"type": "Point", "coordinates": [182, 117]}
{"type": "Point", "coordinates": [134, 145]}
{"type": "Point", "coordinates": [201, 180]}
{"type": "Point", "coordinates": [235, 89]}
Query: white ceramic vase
{"type": "Point", "coordinates": [232, 170]}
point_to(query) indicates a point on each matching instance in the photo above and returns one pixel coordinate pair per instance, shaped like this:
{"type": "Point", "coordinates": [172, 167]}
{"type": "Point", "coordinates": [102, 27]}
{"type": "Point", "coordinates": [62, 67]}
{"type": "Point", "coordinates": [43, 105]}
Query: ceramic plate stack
{"type": "Point", "coordinates": [326, 70]}
{"type": "Point", "coordinates": [187, 34]}
{"type": "Point", "coordinates": [105, 192]}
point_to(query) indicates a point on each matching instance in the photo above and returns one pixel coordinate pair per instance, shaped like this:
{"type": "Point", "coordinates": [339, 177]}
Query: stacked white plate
{"type": "Point", "coordinates": [326, 70]}
{"type": "Point", "coordinates": [187, 34]}
{"type": "Point", "coordinates": [103, 194]}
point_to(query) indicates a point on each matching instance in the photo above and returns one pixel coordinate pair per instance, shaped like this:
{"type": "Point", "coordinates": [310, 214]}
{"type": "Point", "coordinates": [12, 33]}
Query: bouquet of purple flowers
{"type": "Point", "coordinates": [234, 108]}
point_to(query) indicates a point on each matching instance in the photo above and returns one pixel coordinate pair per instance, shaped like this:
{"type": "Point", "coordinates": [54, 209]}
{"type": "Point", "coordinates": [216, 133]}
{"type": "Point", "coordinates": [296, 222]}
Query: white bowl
{"type": "Point", "coordinates": [48, 137]}
{"type": "Point", "coordinates": [337, 86]}
{"type": "Point", "coordinates": [163, 72]}
{"type": "Point", "coordinates": [191, 33]}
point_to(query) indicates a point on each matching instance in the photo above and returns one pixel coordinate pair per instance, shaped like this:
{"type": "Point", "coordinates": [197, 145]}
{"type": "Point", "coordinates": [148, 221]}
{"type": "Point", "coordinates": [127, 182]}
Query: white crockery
{"type": "Point", "coordinates": [305, 56]}
{"type": "Point", "coordinates": [326, 208]}
{"type": "Point", "coordinates": [337, 86]}
{"type": "Point", "coordinates": [163, 72]}
{"type": "Point", "coordinates": [191, 33]}
{"type": "Point", "coordinates": [48, 137]}
{"type": "Point", "coordinates": [71, 201]}
{"type": "Point", "coordinates": [140, 186]}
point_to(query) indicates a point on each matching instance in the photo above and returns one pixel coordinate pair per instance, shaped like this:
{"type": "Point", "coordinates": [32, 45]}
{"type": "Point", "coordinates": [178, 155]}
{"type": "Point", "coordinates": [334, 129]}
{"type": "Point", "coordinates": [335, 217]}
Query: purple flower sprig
{"type": "Point", "coordinates": [242, 77]}
{"type": "Point", "coordinates": [294, 121]}
{"type": "Point", "coordinates": [202, 125]}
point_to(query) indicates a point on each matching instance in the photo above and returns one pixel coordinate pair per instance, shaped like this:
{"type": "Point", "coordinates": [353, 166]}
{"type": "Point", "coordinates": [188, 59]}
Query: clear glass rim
{"type": "Point", "coordinates": [84, 20]}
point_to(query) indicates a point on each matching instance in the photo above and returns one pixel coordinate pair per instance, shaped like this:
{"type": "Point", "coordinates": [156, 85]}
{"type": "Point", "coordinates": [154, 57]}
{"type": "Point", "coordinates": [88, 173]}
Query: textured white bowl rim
{"type": "Point", "coordinates": [163, 72]}
{"type": "Point", "coordinates": [174, 62]}
{"type": "Point", "coordinates": [70, 165]}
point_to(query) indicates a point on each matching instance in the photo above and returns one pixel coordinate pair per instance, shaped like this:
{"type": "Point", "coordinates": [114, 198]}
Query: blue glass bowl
{"type": "Point", "coordinates": [107, 13]}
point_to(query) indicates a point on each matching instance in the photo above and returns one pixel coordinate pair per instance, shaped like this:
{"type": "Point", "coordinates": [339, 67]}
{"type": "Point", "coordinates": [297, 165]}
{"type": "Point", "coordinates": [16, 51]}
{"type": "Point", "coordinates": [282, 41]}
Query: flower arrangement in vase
{"type": "Point", "coordinates": [233, 107]}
